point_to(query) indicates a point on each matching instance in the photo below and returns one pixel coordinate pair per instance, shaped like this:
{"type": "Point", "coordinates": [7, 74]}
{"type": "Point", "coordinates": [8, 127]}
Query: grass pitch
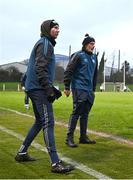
{"type": "Point", "coordinates": [111, 113]}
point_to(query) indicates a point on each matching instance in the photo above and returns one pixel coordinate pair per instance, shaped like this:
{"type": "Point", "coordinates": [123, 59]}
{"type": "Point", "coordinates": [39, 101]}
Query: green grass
{"type": "Point", "coordinates": [111, 113]}
{"type": "Point", "coordinates": [9, 168]}
{"type": "Point", "coordinates": [130, 86]}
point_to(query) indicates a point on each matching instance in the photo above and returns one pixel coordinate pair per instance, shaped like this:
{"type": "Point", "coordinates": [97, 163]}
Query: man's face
{"type": "Point", "coordinates": [90, 46]}
{"type": "Point", "coordinates": [54, 31]}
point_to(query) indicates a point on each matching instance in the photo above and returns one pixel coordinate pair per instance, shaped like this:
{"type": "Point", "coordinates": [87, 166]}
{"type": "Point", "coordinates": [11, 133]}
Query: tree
{"type": "Point", "coordinates": [127, 66]}
{"type": "Point", "coordinates": [4, 75]}
{"type": "Point", "coordinates": [128, 78]}
{"type": "Point", "coordinates": [59, 73]}
{"type": "Point", "coordinates": [101, 69]}
{"type": "Point", "coordinates": [11, 74]}
{"type": "Point", "coordinates": [14, 74]}
{"type": "Point", "coordinates": [118, 76]}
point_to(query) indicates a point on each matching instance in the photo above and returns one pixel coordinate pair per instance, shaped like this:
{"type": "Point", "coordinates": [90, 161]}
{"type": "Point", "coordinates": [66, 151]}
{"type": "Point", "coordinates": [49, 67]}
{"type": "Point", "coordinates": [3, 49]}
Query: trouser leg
{"type": "Point", "coordinates": [74, 116]}
{"type": "Point", "coordinates": [84, 139]}
{"type": "Point", "coordinates": [35, 129]}
{"type": "Point", "coordinates": [26, 99]}
{"type": "Point", "coordinates": [48, 132]}
{"type": "Point", "coordinates": [84, 113]}
{"type": "Point", "coordinates": [71, 128]}
{"type": "Point", "coordinates": [72, 124]}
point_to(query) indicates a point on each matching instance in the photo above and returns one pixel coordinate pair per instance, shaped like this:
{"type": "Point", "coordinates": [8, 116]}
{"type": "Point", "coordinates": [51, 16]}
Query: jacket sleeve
{"type": "Point", "coordinates": [41, 64]}
{"type": "Point", "coordinates": [71, 67]}
{"type": "Point", "coordinates": [95, 76]}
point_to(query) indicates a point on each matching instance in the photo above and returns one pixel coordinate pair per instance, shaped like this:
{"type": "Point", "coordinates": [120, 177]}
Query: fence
{"type": "Point", "coordinates": [10, 86]}
{"type": "Point", "coordinates": [15, 86]}
{"type": "Point", "coordinates": [117, 87]}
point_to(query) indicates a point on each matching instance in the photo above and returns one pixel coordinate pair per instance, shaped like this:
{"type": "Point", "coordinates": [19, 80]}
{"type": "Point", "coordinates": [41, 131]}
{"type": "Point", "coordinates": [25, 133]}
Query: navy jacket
{"type": "Point", "coordinates": [81, 72]}
{"type": "Point", "coordinates": [81, 75]}
{"type": "Point", "coordinates": [41, 66]}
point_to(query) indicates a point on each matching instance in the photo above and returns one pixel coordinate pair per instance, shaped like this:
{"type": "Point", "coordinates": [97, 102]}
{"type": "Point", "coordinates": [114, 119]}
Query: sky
{"type": "Point", "coordinates": [110, 22]}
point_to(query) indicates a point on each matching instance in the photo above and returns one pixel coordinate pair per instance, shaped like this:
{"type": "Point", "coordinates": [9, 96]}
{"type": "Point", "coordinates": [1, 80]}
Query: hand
{"type": "Point", "coordinates": [67, 92]}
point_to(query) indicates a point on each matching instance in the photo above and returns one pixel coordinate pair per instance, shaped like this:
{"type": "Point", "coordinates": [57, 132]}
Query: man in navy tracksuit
{"type": "Point", "coordinates": [40, 89]}
{"type": "Point", "coordinates": [81, 75]}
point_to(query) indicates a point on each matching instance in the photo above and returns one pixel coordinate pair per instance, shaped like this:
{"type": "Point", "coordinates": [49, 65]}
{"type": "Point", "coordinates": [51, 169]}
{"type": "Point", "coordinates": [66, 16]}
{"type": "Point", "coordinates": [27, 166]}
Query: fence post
{"type": "Point", "coordinates": [18, 88]}
{"type": "Point", "coordinates": [4, 87]}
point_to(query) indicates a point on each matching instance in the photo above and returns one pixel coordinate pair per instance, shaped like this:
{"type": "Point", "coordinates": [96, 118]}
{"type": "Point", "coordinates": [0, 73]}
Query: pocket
{"type": "Point", "coordinates": [82, 95]}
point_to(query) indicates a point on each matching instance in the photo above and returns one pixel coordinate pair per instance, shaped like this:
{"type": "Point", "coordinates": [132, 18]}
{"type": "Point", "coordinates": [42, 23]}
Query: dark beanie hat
{"type": "Point", "coordinates": [87, 40]}
{"type": "Point", "coordinates": [46, 27]}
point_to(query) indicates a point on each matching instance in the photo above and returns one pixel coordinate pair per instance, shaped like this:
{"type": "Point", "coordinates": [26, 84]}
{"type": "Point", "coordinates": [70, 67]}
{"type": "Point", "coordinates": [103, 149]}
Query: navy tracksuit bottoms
{"type": "Point", "coordinates": [44, 119]}
{"type": "Point", "coordinates": [81, 109]}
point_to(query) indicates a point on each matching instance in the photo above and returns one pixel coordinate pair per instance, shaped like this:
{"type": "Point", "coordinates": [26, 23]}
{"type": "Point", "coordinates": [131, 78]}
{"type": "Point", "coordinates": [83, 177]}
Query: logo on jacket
{"type": "Point", "coordinates": [93, 61]}
{"type": "Point", "coordinates": [85, 60]}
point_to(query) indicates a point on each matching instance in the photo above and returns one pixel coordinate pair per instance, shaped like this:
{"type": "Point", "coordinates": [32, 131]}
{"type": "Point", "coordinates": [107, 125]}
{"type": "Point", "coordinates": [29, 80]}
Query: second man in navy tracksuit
{"type": "Point", "coordinates": [80, 76]}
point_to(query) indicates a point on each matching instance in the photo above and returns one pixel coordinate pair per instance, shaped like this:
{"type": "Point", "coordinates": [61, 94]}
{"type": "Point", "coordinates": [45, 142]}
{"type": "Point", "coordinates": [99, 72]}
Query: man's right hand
{"type": "Point", "coordinates": [67, 92]}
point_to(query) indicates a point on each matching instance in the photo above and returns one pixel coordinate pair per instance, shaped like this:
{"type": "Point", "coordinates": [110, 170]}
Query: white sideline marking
{"type": "Point", "coordinates": [79, 166]}
{"type": "Point", "coordinates": [101, 134]}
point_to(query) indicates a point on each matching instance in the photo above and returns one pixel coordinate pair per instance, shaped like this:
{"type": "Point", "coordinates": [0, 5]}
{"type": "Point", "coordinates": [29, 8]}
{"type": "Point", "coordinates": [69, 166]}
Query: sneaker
{"type": "Point", "coordinates": [24, 157]}
{"type": "Point", "coordinates": [70, 142]}
{"type": "Point", "coordinates": [86, 140]}
{"type": "Point", "coordinates": [61, 168]}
